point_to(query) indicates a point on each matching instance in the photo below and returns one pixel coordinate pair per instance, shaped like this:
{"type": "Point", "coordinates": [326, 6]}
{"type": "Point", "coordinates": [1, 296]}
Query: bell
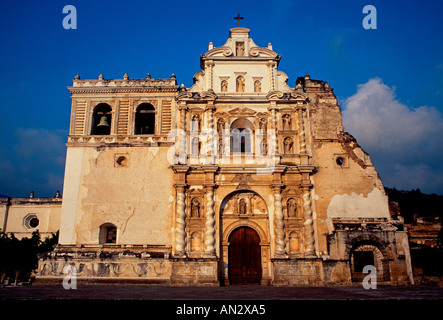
{"type": "Point", "coordinates": [103, 122]}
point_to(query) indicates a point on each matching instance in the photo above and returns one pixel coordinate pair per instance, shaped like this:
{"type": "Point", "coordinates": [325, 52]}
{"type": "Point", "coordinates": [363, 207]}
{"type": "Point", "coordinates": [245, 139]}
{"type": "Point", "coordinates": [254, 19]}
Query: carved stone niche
{"type": "Point", "coordinates": [195, 222]}
{"type": "Point", "coordinates": [292, 203]}
{"type": "Point", "coordinates": [294, 242]}
{"type": "Point", "coordinates": [293, 216]}
{"type": "Point", "coordinates": [244, 204]}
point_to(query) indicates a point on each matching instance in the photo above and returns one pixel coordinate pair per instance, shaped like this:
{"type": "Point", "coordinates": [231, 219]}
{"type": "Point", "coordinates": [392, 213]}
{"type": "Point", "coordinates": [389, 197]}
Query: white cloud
{"type": "Point", "coordinates": [406, 144]}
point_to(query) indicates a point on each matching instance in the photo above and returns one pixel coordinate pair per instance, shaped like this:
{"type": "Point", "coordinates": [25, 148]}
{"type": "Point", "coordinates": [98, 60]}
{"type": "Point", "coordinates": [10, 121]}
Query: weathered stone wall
{"type": "Point", "coordinates": [311, 272]}
{"type": "Point", "coordinates": [136, 195]}
{"type": "Point", "coordinates": [97, 264]}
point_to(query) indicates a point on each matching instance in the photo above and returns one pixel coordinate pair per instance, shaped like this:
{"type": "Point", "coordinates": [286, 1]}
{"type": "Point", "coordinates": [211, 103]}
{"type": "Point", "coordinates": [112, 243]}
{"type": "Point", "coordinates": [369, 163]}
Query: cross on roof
{"type": "Point", "coordinates": [238, 18]}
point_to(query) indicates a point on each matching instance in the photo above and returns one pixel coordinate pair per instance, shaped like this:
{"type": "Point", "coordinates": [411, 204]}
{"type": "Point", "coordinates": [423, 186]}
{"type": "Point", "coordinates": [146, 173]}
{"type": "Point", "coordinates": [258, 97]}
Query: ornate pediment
{"type": "Point", "coordinates": [244, 203]}
{"type": "Point", "coordinates": [243, 180]}
{"type": "Point", "coordinates": [243, 111]}
{"type": "Point", "coordinates": [192, 96]}
{"type": "Point", "coordinates": [219, 51]}
{"type": "Point", "coordinates": [239, 44]}
{"type": "Point", "coordinates": [294, 96]}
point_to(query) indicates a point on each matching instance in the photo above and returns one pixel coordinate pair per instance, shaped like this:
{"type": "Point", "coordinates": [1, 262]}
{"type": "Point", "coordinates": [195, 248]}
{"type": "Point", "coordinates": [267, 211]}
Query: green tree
{"type": "Point", "coordinates": [19, 258]}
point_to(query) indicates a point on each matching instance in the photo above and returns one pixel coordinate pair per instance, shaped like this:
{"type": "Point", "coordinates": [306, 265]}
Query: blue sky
{"type": "Point", "coordinates": [389, 81]}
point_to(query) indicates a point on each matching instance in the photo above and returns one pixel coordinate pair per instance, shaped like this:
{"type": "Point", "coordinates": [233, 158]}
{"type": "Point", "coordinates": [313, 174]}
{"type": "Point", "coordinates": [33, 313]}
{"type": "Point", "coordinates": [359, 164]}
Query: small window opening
{"type": "Point", "coordinates": [145, 119]}
{"type": "Point", "coordinates": [340, 161]}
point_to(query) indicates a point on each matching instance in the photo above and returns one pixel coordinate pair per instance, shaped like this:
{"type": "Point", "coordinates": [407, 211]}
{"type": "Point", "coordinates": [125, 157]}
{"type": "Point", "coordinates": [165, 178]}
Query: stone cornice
{"type": "Point", "coordinates": [83, 90]}
{"type": "Point", "coordinates": [124, 85]}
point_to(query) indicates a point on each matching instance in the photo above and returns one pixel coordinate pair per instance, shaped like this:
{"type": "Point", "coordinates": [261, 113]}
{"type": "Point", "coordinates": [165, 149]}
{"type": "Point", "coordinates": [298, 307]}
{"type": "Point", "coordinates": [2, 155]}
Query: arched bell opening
{"type": "Point", "coordinates": [101, 119]}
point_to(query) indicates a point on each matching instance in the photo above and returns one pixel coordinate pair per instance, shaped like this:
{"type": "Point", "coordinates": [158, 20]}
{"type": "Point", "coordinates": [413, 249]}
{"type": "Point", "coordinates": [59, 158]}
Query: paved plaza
{"type": "Point", "coordinates": [141, 292]}
{"type": "Point", "coordinates": [232, 302]}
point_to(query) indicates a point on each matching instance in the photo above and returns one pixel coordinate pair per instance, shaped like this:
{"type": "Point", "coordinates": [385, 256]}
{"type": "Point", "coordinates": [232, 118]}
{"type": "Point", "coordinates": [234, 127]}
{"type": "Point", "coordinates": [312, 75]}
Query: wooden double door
{"type": "Point", "coordinates": [244, 257]}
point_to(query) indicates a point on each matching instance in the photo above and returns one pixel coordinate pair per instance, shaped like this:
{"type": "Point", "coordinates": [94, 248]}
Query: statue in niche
{"type": "Point", "coordinates": [242, 206]}
{"type": "Point", "coordinates": [195, 124]}
{"type": "Point", "coordinates": [195, 147]}
{"type": "Point", "coordinates": [287, 143]}
{"type": "Point", "coordinates": [264, 147]}
{"type": "Point", "coordinates": [286, 122]}
{"type": "Point", "coordinates": [240, 84]}
{"type": "Point", "coordinates": [257, 86]}
{"type": "Point", "coordinates": [292, 208]}
{"type": "Point", "coordinates": [224, 86]}
{"type": "Point", "coordinates": [240, 49]}
{"type": "Point", "coordinates": [195, 208]}
{"type": "Point", "coordinates": [220, 126]}
{"type": "Point", "coordinates": [262, 125]}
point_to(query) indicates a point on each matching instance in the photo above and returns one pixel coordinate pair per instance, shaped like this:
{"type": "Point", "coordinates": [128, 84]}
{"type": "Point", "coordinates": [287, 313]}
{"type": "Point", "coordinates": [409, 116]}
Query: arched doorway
{"type": "Point", "coordinates": [244, 256]}
{"type": "Point", "coordinates": [367, 253]}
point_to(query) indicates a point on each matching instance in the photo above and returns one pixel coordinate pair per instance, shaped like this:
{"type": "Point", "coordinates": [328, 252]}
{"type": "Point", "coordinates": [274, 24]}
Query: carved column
{"type": "Point", "coordinates": [209, 68]}
{"type": "Point", "coordinates": [212, 137]}
{"type": "Point", "coordinates": [210, 222]}
{"type": "Point", "coordinates": [180, 233]}
{"type": "Point", "coordinates": [273, 136]}
{"type": "Point", "coordinates": [182, 141]}
{"type": "Point", "coordinates": [280, 246]}
{"type": "Point", "coordinates": [304, 159]}
{"type": "Point", "coordinates": [273, 109]}
{"type": "Point", "coordinates": [308, 223]}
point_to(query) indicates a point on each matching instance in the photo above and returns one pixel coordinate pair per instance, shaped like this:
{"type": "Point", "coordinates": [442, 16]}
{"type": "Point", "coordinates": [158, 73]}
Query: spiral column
{"type": "Point", "coordinates": [180, 233]}
{"type": "Point", "coordinates": [210, 222]}
{"type": "Point", "coordinates": [302, 131]}
{"type": "Point", "coordinates": [308, 223]}
{"type": "Point", "coordinates": [278, 222]}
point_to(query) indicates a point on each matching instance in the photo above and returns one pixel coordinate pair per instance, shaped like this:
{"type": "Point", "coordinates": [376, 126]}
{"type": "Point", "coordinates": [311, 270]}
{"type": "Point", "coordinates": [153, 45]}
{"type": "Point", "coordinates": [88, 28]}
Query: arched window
{"type": "Point", "coordinates": [108, 233]}
{"type": "Point", "coordinates": [241, 136]}
{"type": "Point", "coordinates": [145, 119]}
{"type": "Point", "coordinates": [101, 119]}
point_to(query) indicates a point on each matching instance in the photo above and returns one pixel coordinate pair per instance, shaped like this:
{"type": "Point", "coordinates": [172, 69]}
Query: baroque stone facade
{"type": "Point", "coordinates": [238, 179]}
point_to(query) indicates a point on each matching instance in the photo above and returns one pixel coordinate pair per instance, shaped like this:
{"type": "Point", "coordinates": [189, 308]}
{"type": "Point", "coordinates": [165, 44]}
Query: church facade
{"type": "Point", "coordinates": [239, 179]}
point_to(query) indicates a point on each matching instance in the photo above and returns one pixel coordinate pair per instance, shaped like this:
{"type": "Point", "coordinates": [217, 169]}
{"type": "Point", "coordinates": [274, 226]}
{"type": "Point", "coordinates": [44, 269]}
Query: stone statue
{"type": "Point", "coordinates": [224, 86]}
{"type": "Point", "coordinates": [288, 145]}
{"type": "Point", "coordinates": [240, 84]}
{"type": "Point", "coordinates": [262, 125]}
{"type": "Point", "coordinates": [257, 86]}
{"type": "Point", "coordinates": [286, 122]}
{"type": "Point", "coordinates": [240, 49]}
{"type": "Point", "coordinates": [292, 208]}
{"type": "Point", "coordinates": [196, 123]}
{"type": "Point", "coordinates": [220, 126]}
{"type": "Point", "coordinates": [242, 206]}
{"type": "Point", "coordinates": [195, 208]}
